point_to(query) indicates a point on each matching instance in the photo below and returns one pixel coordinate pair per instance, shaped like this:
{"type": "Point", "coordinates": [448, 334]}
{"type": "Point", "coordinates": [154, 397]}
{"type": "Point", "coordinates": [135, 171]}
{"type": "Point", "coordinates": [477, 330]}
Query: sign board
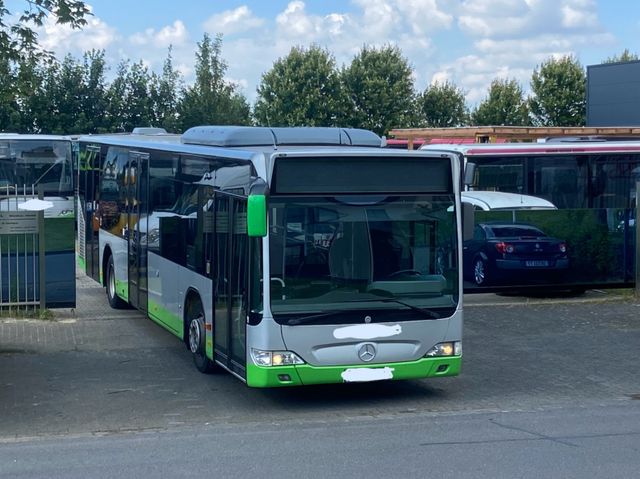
{"type": "Point", "coordinates": [18, 222]}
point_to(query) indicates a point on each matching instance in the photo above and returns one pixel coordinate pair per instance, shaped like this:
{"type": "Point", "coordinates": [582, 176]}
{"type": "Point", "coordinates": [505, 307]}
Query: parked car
{"type": "Point", "coordinates": [500, 200]}
{"type": "Point", "coordinates": [512, 252]}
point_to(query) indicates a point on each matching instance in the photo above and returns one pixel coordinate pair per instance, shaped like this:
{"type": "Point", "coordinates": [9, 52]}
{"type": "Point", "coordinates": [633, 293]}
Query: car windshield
{"type": "Point", "coordinates": [340, 254]}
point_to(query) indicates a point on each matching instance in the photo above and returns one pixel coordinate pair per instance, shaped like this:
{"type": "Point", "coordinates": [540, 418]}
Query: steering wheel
{"type": "Point", "coordinates": [407, 272]}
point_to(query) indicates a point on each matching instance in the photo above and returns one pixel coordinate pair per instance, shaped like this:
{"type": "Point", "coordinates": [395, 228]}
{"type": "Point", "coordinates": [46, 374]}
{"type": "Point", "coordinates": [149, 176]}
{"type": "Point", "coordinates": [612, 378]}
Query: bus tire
{"type": "Point", "coordinates": [115, 301]}
{"type": "Point", "coordinates": [196, 337]}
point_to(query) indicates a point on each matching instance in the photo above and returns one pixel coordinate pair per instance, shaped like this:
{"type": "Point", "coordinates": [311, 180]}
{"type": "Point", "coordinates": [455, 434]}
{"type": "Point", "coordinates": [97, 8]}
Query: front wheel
{"type": "Point", "coordinates": [114, 300]}
{"type": "Point", "coordinates": [197, 338]}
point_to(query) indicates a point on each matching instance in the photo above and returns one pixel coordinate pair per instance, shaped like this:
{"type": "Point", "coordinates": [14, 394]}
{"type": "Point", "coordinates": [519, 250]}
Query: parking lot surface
{"type": "Point", "coordinates": [96, 370]}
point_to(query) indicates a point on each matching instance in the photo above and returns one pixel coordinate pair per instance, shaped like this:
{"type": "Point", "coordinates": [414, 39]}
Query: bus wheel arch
{"type": "Point", "coordinates": [106, 254]}
{"type": "Point", "coordinates": [195, 332]}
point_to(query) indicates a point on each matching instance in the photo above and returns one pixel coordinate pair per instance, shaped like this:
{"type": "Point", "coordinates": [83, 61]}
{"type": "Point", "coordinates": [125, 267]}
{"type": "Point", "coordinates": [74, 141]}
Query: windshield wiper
{"type": "Point", "coordinates": [307, 319]}
{"type": "Point", "coordinates": [312, 317]}
{"type": "Point", "coordinates": [427, 312]}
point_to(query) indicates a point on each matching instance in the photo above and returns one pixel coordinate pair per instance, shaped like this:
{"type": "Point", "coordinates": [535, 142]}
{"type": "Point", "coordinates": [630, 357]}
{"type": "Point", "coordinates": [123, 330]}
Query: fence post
{"type": "Point", "coordinates": [42, 286]}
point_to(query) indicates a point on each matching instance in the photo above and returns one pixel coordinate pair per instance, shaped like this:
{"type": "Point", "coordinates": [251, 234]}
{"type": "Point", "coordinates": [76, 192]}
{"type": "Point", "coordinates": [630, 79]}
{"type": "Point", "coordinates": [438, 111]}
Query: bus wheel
{"type": "Point", "coordinates": [114, 300]}
{"type": "Point", "coordinates": [197, 338]}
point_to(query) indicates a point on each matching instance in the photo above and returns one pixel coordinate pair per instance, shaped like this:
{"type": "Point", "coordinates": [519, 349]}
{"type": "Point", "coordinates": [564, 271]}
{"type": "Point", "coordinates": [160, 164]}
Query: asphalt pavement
{"type": "Point", "coordinates": [94, 369]}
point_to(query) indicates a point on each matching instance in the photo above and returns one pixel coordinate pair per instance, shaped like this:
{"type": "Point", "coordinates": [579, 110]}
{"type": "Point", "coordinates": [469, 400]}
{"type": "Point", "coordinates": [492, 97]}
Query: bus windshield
{"type": "Point", "coordinates": [395, 255]}
{"type": "Point", "coordinates": [34, 163]}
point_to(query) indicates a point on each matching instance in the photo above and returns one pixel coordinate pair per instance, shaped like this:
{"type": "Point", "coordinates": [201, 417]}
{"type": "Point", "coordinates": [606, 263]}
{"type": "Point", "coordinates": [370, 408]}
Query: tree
{"type": "Point", "coordinates": [18, 40]}
{"type": "Point", "coordinates": [302, 88]}
{"type": "Point", "coordinates": [211, 99]}
{"type": "Point", "coordinates": [95, 98]}
{"type": "Point", "coordinates": [442, 105]}
{"type": "Point", "coordinates": [625, 56]}
{"type": "Point", "coordinates": [116, 109]}
{"type": "Point", "coordinates": [505, 105]}
{"type": "Point", "coordinates": [378, 88]}
{"type": "Point", "coordinates": [30, 88]}
{"type": "Point", "coordinates": [559, 93]}
{"type": "Point", "coordinates": [138, 108]}
{"type": "Point", "coordinates": [66, 90]}
{"type": "Point", "coordinates": [164, 95]}
{"type": "Point", "coordinates": [9, 109]}
{"type": "Point", "coordinates": [129, 104]}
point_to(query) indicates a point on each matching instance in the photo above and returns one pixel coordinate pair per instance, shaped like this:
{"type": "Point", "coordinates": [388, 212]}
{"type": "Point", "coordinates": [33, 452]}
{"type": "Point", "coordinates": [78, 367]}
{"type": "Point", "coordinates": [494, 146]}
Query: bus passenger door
{"type": "Point", "coordinates": [230, 282]}
{"type": "Point", "coordinates": [138, 209]}
{"type": "Point", "coordinates": [90, 171]}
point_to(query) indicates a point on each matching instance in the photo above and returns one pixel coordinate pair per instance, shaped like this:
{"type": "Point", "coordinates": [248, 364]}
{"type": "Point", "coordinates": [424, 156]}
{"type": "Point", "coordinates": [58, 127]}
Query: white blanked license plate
{"type": "Point", "coordinates": [363, 375]}
{"type": "Point", "coordinates": [536, 263]}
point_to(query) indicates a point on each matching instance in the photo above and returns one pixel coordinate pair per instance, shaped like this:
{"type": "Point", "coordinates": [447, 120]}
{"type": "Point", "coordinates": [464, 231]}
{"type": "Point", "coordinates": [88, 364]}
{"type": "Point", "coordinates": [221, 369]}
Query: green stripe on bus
{"type": "Point", "coordinates": [165, 318]}
{"type": "Point", "coordinates": [82, 264]}
{"type": "Point", "coordinates": [122, 289]}
{"type": "Point", "coordinates": [263, 377]}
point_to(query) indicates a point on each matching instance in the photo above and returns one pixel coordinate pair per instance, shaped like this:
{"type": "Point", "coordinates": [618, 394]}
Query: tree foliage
{"type": "Point", "coordinates": [559, 93]}
{"type": "Point", "coordinates": [164, 92]}
{"type": "Point", "coordinates": [442, 105]}
{"type": "Point", "coordinates": [301, 89]}
{"type": "Point", "coordinates": [212, 100]}
{"type": "Point", "coordinates": [505, 105]}
{"type": "Point", "coordinates": [18, 40]}
{"type": "Point", "coordinates": [9, 108]}
{"type": "Point", "coordinates": [128, 98]}
{"type": "Point", "coordinates": [379, 90]}
{"type": "Point", "coordinates": [625, 56]}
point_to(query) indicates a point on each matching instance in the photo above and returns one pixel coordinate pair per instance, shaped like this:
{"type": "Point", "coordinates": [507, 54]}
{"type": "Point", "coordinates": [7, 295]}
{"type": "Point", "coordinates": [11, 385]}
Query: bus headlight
{"type": "Point", "coordinates": [275, 358]}
{"type": "Point", "coordinates": [451, 348]}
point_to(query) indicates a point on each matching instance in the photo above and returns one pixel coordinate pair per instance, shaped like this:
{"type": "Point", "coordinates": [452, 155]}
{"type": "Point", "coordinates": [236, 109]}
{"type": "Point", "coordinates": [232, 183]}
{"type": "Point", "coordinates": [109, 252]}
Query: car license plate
{"type": "Point", "coordinates": [537, 263]}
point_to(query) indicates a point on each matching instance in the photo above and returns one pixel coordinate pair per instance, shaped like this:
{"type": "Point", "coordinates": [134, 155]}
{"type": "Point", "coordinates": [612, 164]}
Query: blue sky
{"type": "Point", "coordinates": [469, 42]}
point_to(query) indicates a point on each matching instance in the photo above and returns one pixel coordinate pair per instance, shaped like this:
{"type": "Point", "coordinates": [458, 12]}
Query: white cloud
{"type": "Point", "coordinates": [574, 18]}
{"type": "Point", "coordinates": [175, 34]}
{"type": "Point", "coordinates": [521, 18]}
{"type": "Point", "coordinates": [468, 42]}
{"type": "Point", "coordinates": [229, 22]}
{"type": "Point", "coordinates": [63, 39]}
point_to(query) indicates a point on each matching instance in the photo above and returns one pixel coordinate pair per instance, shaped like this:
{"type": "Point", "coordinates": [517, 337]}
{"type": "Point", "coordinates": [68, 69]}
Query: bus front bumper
{"type": "Point", "coordinates": [305, 374]}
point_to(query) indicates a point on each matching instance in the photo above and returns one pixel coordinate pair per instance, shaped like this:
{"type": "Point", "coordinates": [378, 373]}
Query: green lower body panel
{"type": "Point", "coordinates": [165, 318]}
{"type": "Point", "coordinates": [82, 265]}
{"type": "Point", "coordinates": [264, 377]}
{"type": "Point", "coordinates": [122, 290]}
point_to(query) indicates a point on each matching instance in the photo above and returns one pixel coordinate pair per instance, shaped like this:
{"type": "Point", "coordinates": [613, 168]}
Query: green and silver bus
{"type": "Point", "coordinates": [286, 256]}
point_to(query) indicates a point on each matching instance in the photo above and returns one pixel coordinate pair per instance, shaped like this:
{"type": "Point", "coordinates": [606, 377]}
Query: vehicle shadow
{"type": "Point", "coordinates": [386, 396]}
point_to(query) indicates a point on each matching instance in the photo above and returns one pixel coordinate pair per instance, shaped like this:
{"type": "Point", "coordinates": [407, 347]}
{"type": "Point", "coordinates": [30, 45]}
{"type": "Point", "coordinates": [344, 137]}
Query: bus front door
{"type": "Point", "coordinates": [230, 282]}
{"type": "Point", "coordinates": [138, 209]}
{"type": "Point", "coordinates": [90, 171]}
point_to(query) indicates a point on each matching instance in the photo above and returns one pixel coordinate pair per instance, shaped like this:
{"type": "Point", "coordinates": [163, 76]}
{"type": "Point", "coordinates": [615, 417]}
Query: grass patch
{"type": "Point", "coordinates": [27, 313]}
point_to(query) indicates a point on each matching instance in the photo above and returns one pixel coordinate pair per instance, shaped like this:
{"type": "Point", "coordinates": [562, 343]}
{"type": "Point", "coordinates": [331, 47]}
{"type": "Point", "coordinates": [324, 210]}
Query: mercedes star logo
{"type": "Point", "coordinates": [367, 352]}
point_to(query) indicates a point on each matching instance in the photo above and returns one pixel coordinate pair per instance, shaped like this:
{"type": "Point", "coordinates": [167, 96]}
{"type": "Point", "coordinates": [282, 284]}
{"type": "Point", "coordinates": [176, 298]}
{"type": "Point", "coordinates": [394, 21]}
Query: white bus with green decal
{"type": "Point", "coordinates": [286, 256]}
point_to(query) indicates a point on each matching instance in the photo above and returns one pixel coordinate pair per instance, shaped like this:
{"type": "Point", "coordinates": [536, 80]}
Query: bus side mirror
{"type": "Point", "coordinates": [257, 216]}
{"type": "Point", "coordinates": [469, 173]}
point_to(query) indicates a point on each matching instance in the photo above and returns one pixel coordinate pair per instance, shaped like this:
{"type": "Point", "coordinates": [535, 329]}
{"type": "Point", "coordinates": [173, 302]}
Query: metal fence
{"type": "Point", "coordinates": [22, 252]}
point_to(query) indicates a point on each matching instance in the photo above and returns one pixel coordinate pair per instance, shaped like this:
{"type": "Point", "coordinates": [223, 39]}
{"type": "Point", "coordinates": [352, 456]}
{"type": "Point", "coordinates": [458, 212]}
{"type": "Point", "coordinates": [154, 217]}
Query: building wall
{"type": "Point", "coordinates": [613, 94]}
